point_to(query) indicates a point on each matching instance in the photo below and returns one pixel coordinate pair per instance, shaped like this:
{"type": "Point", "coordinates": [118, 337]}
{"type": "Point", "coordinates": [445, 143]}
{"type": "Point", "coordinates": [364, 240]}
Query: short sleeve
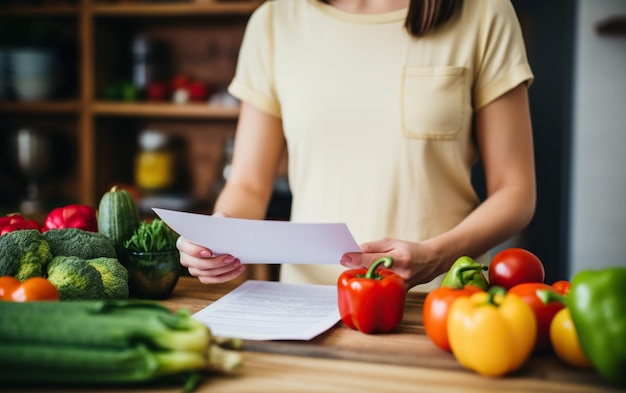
{"type": "Point", "coordinates": [503, 63]}
{"type": "Point", "coordinates": [254, 76]}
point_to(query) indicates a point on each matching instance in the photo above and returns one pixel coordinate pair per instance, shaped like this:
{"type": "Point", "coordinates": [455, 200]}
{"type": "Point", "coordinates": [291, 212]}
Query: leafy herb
{"type": "Point", "coordinates": [152, 236]}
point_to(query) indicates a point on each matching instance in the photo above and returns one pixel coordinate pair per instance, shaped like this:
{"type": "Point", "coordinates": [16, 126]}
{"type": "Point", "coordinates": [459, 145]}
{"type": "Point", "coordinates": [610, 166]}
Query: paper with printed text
{"type": "Point", "coordinates": [269, 310]}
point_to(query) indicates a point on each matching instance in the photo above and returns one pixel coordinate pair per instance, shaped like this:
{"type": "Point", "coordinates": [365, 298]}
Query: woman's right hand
{"type": "Point", "coordinates": [208, 268]}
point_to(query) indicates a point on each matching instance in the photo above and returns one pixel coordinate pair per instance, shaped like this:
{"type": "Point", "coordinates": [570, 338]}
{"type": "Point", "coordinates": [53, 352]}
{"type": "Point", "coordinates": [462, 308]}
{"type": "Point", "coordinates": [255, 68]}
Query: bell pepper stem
{"type": "Point", "coordinates": [493, 292]}
{"type": "Point", "coordinates": [463, 269]}
{"type": "Point", "coordinates": [371, 272]}
{"type": "Point", "coordinates": [547, 296]}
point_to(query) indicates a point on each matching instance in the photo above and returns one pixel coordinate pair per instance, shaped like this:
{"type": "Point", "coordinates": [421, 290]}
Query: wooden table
{"type": "Point", "coordinates": [343, 361]}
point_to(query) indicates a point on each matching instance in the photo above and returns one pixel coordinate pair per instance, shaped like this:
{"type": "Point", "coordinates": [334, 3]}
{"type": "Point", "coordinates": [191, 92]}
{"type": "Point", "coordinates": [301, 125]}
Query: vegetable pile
{"type": "Point", "coordinates": [81, 251]}
{"type": "Point", "coordinates": [80, 264]}
{"type": "Point", "coordinates": [66, 314]}
{"type": "Point", "coordinates": [107, 343]}
{"type": "Point", "coordinates": [492, 323]}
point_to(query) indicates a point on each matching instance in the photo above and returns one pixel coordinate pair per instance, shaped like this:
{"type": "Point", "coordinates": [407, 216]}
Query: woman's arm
{"type": "Point", "coordinates": [504, 136]}
{"type": "Point", "coordinates": [259, 143]}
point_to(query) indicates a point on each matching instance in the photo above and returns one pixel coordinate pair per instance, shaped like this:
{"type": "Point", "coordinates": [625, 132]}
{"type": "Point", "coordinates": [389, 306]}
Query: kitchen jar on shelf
{"type": "Point", "coordinates": [154, 166]}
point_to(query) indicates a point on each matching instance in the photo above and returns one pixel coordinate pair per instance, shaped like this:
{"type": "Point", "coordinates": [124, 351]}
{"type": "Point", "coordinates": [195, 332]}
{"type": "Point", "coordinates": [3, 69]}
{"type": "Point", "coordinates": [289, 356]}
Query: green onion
{"type": "Point", "coordinates": [107, 342]}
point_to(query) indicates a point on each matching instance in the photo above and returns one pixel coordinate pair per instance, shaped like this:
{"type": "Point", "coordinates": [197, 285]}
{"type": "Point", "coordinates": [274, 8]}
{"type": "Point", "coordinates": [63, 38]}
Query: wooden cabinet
{"type": "Point", "coordinates": [98, 136]}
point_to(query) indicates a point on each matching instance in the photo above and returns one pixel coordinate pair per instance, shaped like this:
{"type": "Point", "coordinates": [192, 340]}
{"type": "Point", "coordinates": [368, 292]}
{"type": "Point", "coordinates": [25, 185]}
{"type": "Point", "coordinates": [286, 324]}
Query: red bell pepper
{"type": "Point", "coordinates": [72, 216]}
{"type": "Point", "coordinates": [16, 221]}
{"type": "Point", "coordinates": [371, 300]}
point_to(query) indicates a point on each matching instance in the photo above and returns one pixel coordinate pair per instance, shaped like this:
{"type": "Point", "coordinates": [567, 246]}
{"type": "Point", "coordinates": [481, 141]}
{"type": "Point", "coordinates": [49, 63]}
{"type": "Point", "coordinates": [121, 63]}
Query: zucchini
{"type": "Point", "coordinates": [106, 342]}
{"type": "Point", "coordinates": [118, 218]}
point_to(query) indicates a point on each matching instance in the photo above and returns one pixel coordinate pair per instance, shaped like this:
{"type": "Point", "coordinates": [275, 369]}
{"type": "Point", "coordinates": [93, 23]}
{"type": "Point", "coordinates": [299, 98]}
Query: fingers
{"type": "Point", "coordinates": [370, 252]}
{"type": "Point", "coordinates": [185, 246]}
{"type": "Point", "coordinates": [208, 268]}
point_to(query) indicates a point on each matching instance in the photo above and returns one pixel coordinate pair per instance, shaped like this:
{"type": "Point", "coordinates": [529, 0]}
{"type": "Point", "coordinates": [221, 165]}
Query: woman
{"type": "Point", "coordinates": [383, 106]}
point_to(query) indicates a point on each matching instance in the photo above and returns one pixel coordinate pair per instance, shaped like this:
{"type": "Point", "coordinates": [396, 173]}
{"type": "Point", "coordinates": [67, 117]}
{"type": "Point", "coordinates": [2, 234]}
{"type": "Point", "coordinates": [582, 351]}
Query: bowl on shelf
{"type": "Point", "coordinates": [32, 73]}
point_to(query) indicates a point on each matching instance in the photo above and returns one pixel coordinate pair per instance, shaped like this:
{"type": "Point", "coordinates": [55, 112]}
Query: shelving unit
{"type": "Point", "coordinates": [104, 132]}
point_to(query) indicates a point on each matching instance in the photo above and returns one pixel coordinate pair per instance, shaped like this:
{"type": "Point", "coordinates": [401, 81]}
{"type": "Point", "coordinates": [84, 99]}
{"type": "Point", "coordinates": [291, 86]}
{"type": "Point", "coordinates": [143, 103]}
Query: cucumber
{"type": "Point", "coordinates": [118, 218]}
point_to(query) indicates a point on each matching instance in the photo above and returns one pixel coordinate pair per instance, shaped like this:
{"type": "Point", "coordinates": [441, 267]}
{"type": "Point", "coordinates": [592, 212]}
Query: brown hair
{"type": "Point", "coordinates": [426, 15]}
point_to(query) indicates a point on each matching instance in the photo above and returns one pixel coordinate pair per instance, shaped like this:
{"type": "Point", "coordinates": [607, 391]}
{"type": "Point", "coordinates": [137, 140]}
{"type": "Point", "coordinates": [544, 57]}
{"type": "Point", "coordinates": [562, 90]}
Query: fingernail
{"type": "Point", "coordinates": [346, 260]}
{"type": "Point", "coordinates": [206, 254]}
{"type": "Point", "coordinates": [229, 259]}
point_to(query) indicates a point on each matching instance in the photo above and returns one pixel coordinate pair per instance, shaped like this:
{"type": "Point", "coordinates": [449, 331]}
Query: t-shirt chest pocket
{"type": "Point", "coordinates": [434, 102]}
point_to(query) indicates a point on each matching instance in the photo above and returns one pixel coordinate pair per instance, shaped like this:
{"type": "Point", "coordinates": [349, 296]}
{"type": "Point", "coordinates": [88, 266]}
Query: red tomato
{"type": "Point", "coordinates": [435, 312]}
{"type": "Point", "coordinates": [543, 312]}
{"type": "Point", "coordinates": [562, 286]}
{"type": "Point", "coordinates": [513, 266]}
{"type": "Point", "coordinates": [8, 284]}
{"type": "Point", "coordinates": [36, 288]}
{"type": "Point", "coordinates": [179, 82]}
{"type": "Point", "coordinates": [198, 91]}
{"type": "Point", "coordinates": [157, 91]}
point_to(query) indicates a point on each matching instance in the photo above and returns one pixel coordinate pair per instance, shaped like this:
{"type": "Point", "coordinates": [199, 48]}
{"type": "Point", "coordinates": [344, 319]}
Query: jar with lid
{"type": "Point", "coordinates": [154, 166]}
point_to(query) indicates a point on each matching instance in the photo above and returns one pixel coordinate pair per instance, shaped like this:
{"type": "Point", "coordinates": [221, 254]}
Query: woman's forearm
{"type": "Point", "coordinates": [503, 215]}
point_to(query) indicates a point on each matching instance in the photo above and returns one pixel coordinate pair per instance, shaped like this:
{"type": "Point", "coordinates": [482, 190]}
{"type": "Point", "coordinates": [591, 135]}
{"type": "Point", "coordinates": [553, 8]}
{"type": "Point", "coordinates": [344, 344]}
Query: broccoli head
{"type": "Point", "coordinates": [75, 278]}
{"type": "Point", "coordinates": [74, 242]}
{"type": "Point", "coordinates": [24, 253]}
{"type": "Point", "coordinates": [114, 277]}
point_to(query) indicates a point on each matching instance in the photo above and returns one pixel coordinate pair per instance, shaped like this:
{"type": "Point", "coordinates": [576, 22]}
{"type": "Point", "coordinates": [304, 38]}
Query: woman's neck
{"type": "Point", "coordinates": [369, 6]}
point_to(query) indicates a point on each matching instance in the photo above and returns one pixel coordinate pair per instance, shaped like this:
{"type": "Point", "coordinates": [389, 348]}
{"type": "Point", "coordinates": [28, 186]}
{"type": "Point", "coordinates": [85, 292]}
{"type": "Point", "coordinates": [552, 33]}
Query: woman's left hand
{"type": "Point", "coordinates": [414, 262]}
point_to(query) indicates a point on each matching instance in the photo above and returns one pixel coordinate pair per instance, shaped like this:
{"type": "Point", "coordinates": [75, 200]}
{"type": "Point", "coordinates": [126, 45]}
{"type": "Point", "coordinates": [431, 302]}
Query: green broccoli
{"type": "Point", "coordinates": [24, 254]}
{"type": "Point", "coordinates": [74, 242]}
{"type": "Point", "coordinates": [75, 278]}
{"type": "Point", "coordinates": [114, 277]}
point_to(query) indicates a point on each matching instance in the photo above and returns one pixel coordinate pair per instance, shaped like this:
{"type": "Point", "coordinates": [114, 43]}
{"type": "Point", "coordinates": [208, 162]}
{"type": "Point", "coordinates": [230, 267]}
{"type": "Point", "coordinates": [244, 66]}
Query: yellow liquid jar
{"type": "Point", "coordinates": [154, 166]}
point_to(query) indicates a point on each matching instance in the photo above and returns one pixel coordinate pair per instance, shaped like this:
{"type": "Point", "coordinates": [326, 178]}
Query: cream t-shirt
{"type": "Point", "coordinates": [378, 123]}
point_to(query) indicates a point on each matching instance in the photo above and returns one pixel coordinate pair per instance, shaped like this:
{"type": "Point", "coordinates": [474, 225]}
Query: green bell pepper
{"type": "Point", "coordinates": [597, 303]}
{"type": "Point", "coordinates": [465, 271]}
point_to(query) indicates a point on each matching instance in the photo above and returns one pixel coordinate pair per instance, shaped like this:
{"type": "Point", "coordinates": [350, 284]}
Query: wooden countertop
{"type": "Point", "coordinates": [344, 360]}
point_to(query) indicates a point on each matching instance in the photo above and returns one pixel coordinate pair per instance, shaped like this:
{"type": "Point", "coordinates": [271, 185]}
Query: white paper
{"type": "Point", "coordinates": [269, 310]}
{"type": "Point", "coordinates": [264, 241]}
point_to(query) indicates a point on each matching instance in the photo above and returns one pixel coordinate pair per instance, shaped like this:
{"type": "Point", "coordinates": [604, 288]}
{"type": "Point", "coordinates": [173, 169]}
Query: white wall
{"type": "Point", "coordinates": [598, 179]}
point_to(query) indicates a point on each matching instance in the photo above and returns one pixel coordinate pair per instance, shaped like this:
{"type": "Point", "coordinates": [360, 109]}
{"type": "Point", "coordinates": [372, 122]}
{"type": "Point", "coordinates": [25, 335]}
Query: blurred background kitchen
{"type": "Point", "coordinates": [132, 92]}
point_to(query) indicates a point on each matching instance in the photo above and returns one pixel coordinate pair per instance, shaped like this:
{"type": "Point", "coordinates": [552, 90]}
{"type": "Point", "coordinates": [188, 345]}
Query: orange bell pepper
{"type": "Point", "coordinates": [492, 333]}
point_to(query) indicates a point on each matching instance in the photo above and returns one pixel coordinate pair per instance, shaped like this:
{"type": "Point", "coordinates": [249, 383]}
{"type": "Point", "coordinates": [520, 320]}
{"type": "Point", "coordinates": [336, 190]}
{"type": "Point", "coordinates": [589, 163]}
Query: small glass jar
{"type": "Point", "coordinates": [154, 166]}
{"type": "Point", "coordinates": [153, 274]}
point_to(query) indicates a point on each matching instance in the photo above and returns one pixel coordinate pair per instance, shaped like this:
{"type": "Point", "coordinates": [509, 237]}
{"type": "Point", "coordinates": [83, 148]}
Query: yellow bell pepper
{"type": "Point", "coordinates": [492, 333]}
{"type": "Point", "coordinates": [565, 340]}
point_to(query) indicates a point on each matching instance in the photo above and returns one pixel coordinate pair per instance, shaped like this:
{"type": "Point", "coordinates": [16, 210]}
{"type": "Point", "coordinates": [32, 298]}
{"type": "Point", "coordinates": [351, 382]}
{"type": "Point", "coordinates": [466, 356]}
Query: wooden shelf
{"type": "Point", "coordinates": [70, 107]}
{"type": "Point", "coordinates": [177, 9]}
{"type": "Point", "coordinates": [148, 109]}
{"type": "Point", "coordinates": [16, 10]}
{"type": "Point", "coordinates": [100, 30]}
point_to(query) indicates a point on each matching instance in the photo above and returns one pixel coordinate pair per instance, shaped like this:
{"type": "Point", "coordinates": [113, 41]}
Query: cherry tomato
{"type": "Point", "coordinates": [543, 312]}
{"type": "Point", "coordinates": [513, 266]}
{"type": "Point", "coordinates": [35, 288]}
{"type": "Point", "coordinates": [565, 340]}
{"type": "Point", "coordinates": [8, 284]}
{"type": "Point", "coordinates": [435, 312]}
